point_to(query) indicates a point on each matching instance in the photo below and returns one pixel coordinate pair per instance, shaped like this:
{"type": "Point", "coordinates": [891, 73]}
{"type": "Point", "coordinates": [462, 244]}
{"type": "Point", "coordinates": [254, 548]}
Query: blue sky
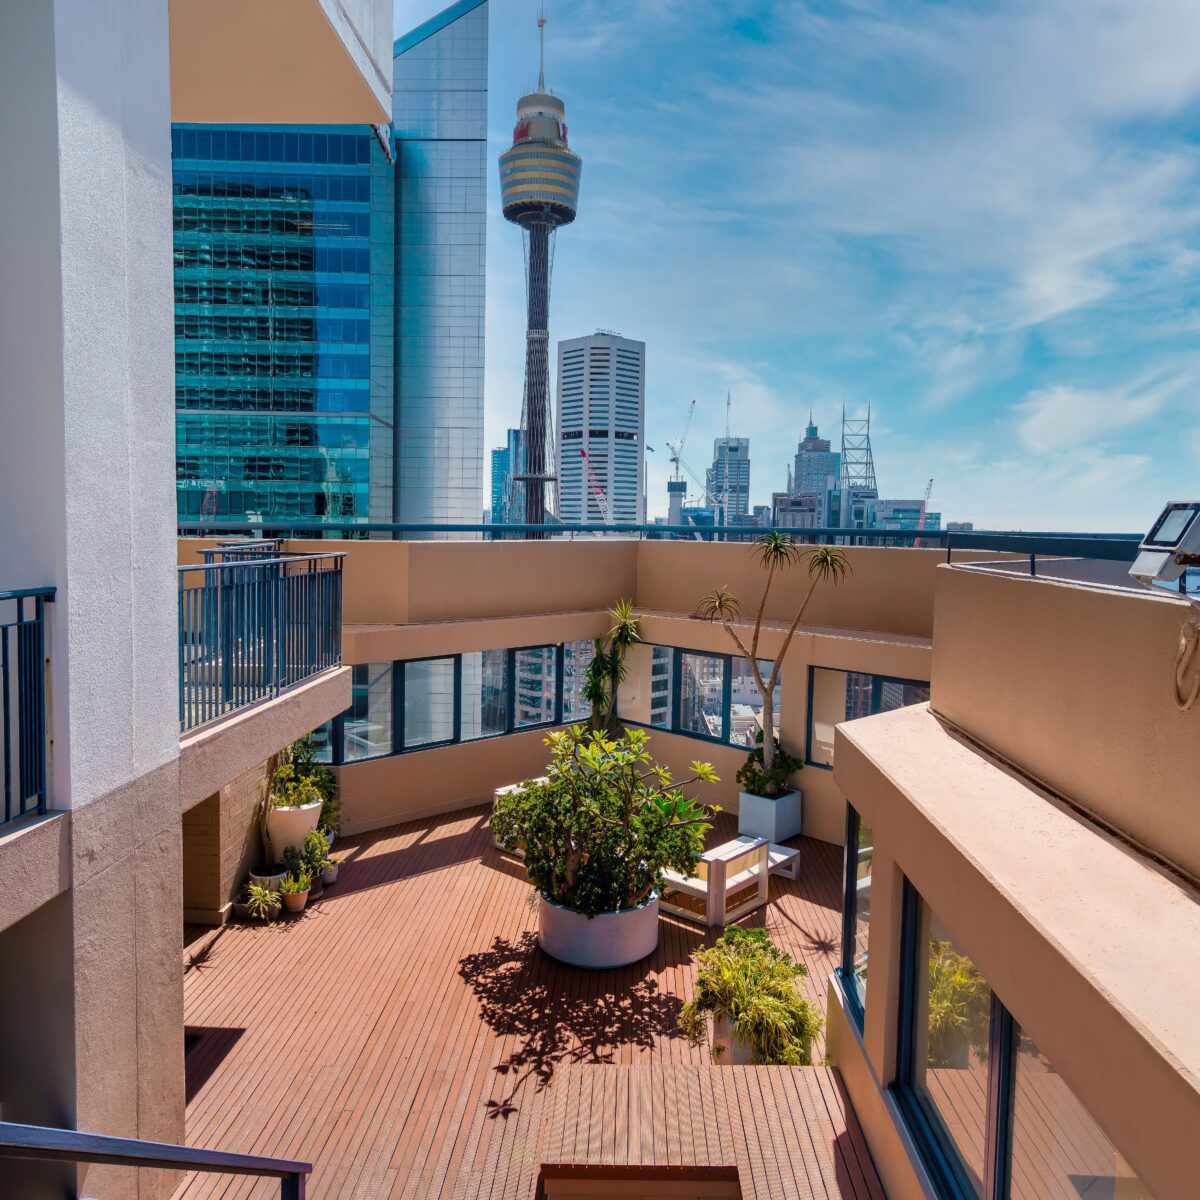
{"type": "Point", "coordinates": [982, 218]}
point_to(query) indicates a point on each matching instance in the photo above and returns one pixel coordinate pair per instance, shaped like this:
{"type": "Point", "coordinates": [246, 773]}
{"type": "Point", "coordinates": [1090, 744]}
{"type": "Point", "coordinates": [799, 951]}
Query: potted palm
{"type": "Point", "coordinates": [598, 835]}
{"type": "Point", "coordinates": [768, 806]}
{"type": "Point", "coordinates": [748, 1003]}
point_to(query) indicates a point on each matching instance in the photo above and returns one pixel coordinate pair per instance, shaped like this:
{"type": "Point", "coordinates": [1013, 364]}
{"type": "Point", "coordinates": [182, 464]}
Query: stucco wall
{"type": "Point", "coordinates": [1073, 685]}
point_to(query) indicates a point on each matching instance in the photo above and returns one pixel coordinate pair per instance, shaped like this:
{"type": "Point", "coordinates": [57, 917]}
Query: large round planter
{"type": "Point", "coordinates": [290, 826]}
{"type": "Point", "coordinates": [612, 939]}
{"type": "Point", "coordinates": [271, 881]}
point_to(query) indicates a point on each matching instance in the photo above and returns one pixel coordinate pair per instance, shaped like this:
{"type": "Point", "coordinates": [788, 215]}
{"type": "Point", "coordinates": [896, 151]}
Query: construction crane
{"type": "Point", "coordinates": [676, 448]}
{"type": "Point", "coordinates": [597, 490]}
{"type": "Point", "coordinates": [924, 508]}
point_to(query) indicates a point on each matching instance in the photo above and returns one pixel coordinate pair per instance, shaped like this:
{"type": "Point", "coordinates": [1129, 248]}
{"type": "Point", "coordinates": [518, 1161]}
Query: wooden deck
{"type": "Point", "coordinates": [407, 1036]}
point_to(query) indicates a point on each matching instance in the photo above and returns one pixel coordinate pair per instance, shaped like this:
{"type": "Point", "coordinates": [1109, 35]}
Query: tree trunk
{"type": "Point", "coordinates": [768, 732]}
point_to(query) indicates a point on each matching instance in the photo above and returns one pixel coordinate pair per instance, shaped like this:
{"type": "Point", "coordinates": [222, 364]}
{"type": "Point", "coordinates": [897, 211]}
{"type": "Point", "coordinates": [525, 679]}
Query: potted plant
{"type": "Point", "coordinates": [769, 807]}
{"type": "Point", "coordinates": [607, 669]}
{"type": "Point", "coordinates": [268, 877]}
{"type": "Point", "coordinates": [597, 838]}
{"type": "Point", "coordinates": [294, 891]}
{"type": "Point", "coordinates": [260, 903]}
{"type": "Point", "coordinates": [310, 859]}
{"type": "Point", "coordinates": [303, 755]}
{"type": "Point", "coordinates": [294, 808]}
{"type": "Point", "coordinates": [748, 1003]}
{"type": "Point", "coordinates": [329, 872]}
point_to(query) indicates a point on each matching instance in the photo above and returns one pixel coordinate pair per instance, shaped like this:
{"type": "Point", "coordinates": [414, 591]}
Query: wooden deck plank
{"type": "Point", "coordinates": [408, 1037]}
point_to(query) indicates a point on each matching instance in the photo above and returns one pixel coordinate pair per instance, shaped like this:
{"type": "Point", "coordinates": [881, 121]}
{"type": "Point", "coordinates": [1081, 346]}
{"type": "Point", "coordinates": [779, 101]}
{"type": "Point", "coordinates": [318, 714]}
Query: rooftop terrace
{"type": "Point", "coordinates": [407, 1036]}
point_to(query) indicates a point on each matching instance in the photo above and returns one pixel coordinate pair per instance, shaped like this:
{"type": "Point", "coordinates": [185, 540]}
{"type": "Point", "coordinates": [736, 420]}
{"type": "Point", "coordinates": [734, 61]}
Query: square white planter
{"type": "Point", "coordinates": [776, 820]}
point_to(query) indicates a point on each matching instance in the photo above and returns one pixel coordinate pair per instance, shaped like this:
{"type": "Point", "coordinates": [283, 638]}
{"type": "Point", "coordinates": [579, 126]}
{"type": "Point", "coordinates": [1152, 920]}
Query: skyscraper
{"type": "Point", "coordinates": [539, 191]}
{"type": "Point", "coordinates": [815, 473]}
{"type": "Point", "coordinates": [499, 469]}
{"type": "Point", "coordinates": [601, 410]}
{"type": "Point", "coordinates": [283, 322]}
{"type": "Point", "coordinates": [508, 496]}
{"type": "Point", "coordinates": [439, 76]}
{"type": "Point", "coordinates": [727, 481]}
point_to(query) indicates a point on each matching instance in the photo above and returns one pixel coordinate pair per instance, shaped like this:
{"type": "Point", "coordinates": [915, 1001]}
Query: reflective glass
{"type": "Point", "coordinates": [484, 702]}
{"type": "Point", "coordinates": [428, 702]}
{"type": "Point", "coordinates": [368, 721]}
{"type": "Point", "coordinates": [1057, 1148]}
{"type": "Point", "coordinates": [536, 677]}
{"type": "Point", "coordinates": [576, 657]}
{"type": "Point", "coordinates": [644, 695]}
{"type": "Point", "coordinates": [701, 694]}
{"type": "Point", "coordinates": [953, 1027]}
{"type": "Point", "coordinates": [839, 696]}
{"type": "Point", "coordinates": [746, 707]}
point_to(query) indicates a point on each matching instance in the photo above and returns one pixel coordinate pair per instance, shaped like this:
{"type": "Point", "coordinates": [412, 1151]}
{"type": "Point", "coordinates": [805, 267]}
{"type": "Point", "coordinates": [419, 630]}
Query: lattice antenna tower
{"type": "Point", "coordinates": [858, 463]}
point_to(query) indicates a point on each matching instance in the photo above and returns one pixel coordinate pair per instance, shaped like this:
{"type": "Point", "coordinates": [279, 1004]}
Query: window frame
{"type": "Point", "coordinates": [934, 1145]}
{"type": "Point", "coordinates": [877, 682]}
{"type": "Point", "coordinates": [849, 976]}
{"type": "Point", "coordinates": [677, 694]}
{"type": "Point", "coordinates": [400, 672]}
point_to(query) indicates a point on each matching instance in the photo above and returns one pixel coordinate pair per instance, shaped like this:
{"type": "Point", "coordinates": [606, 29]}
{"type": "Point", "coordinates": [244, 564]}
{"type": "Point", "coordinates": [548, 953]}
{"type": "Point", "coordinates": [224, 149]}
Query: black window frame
{"type": "Point", "coordinates": [848, 975]}
{"type": "Point", "coordinates": [934, 1145]}
{"type": "Point", "coordinates": [877, 683]}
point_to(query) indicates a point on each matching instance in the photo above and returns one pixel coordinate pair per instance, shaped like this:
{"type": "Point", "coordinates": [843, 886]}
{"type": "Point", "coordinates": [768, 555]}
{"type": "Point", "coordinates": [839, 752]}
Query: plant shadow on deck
{"type": "Point", "coordinates": [560, 1014]}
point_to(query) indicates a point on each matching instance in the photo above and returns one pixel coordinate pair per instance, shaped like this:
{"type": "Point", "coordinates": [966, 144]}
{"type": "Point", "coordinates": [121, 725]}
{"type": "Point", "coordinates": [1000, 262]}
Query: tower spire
{"type": "Point", "coordinates": [542, 49]}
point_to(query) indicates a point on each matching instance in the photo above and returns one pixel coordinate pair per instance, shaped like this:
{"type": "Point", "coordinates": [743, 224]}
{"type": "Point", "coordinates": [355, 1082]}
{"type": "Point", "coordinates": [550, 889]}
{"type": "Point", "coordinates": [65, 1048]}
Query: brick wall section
{"type": "Point", "coordinates": [202, 858]}
{"type": "Point", "coordinates": [241, 848]}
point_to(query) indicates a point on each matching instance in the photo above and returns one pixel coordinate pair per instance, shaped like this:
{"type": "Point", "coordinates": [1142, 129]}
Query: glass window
{"type": "Point", "coordinates": [644, 695]}
{"type": "Point", "coordinates": [945, 1067]}
{"type": "Point", "coordinates": [838, 696]}
{"type": "Point", "coordinates": [536, 681]}
{"type": "Point", "coordinates": [1057, 1148]}
{"type": "Point", "coordinates": [428, 702]}
{"type": "Point", "coordinates": [745, 702]}
{"type": "Point", "coordinates": [857, 915]}
{"type": "Point", "coordinates": [576, 657]}
{"type": "Point", "coordinates": [702, 694]}
{"type": "Point", "coordinates": [484, 694]}
{"type": "Point", "coordinates": [368, 721]}
{"type": "Point", "coordinates": [322, 738]}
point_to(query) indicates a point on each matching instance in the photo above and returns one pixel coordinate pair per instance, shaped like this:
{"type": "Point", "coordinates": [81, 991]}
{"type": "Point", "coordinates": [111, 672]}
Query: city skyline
{"type": "Point", "coordinates": [1031, 357]}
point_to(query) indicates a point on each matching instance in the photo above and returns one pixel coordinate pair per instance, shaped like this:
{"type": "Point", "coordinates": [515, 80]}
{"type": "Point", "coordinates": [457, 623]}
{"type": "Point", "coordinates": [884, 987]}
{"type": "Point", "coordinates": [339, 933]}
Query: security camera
{"type": "Point", "coordinates": [1171, 546]}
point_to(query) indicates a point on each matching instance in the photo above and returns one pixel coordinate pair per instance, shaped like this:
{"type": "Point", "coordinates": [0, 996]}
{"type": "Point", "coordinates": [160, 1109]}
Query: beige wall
{"type": "Point", "coordinates": [1073, 685]}
{"type": "Point", "coordinates": [1093, 949]}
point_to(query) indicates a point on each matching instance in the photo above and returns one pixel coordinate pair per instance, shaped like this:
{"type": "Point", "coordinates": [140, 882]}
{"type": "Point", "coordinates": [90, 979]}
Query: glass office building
{"type": "Point", "coordinates": [439, 106]}
{"type": "Point", "coordinates": [284, 269]}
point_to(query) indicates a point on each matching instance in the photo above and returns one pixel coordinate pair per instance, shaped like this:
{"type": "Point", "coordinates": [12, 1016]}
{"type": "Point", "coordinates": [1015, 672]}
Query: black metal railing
{"type": "Point", "coordinates": [251, 627]}
{"type": "Point", "coordinates": [42, 1144]}
{"type": "Point", "coordinates": [23, 682]}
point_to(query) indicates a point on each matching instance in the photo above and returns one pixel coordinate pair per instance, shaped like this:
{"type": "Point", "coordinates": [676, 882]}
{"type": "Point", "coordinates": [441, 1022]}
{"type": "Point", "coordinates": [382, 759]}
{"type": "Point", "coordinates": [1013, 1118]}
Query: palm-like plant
{"type": "Point", "coordinates": [607, 670]}
{"type": "Point", "coordinates": [776, 553]}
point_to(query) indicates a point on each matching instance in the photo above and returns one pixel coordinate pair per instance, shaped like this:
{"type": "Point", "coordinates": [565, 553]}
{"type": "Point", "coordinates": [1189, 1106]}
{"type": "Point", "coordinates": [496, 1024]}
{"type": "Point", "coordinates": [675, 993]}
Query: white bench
{"type": "Point", "coordinates": [783, 860]}
{"type": "Point", "coordinates": [720, 875]}
{"type": "Point", "coordinates": [505, 791]}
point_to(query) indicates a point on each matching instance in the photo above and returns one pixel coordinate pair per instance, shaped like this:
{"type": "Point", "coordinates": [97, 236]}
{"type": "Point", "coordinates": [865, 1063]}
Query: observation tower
{"type": "Point", "coordinates": [539, 191]}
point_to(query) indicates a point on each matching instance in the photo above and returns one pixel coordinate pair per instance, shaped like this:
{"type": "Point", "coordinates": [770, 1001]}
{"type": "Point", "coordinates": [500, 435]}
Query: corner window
{"type": "Point", "coordinates": [644, 696]}
{"type": "Point", "coordinates": [837, 696]}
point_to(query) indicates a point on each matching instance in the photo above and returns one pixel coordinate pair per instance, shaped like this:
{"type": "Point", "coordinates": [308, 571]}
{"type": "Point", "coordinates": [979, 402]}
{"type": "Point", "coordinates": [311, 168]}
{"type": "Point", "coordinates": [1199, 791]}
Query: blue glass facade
{"type": "Point", "coordinates": [284, 322]}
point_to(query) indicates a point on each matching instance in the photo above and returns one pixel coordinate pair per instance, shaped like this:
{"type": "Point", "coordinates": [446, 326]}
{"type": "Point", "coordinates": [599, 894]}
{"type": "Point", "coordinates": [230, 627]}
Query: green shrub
{"type": "Point", "coordinates": [749, 981]}
{"type": "Point", "coordinates": [599, 835]}
{"type": "Point", "coordinates": [959, 1006]}
{"type": "Point", "coordinates": [760, 780]}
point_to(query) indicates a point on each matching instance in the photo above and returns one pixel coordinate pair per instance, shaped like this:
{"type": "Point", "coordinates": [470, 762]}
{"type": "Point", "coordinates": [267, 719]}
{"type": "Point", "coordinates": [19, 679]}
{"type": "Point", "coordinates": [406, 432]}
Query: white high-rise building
{"type": "Point", "coordinates": [728, 479]}
{"type": "Point", "coordinates": [601, 413]}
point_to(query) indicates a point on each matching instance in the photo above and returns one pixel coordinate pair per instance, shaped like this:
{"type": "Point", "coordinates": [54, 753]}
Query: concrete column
{"type": "Point", "coordinates": [87, 504]}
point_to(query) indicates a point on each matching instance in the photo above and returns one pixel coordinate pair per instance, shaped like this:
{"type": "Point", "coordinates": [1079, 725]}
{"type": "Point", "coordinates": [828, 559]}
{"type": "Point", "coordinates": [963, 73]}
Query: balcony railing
{"type": "Point", "coordinates": [251, 627]}
{"type": "Point", "coordinates": [23, 683]}
{"type": "Point", "coordinates": [39, 1143]}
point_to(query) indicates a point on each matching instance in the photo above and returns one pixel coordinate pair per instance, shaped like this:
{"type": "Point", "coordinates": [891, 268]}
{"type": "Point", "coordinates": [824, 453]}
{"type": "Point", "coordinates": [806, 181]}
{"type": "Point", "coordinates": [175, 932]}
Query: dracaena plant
{"type": "Point", "coordinates": [598, 836]}
{"type": "Point", "coordinates": [607, 670]}
{"type": "Point", "coordinates": [767, 768]}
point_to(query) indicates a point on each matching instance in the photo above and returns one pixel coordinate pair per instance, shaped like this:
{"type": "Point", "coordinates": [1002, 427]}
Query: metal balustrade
{"type": "Point", "coordinates": [40, 1143]}
{"type": "Point", "coordinates": [23, 705]}
{"type": "Point", "coordinates": [249, 628]}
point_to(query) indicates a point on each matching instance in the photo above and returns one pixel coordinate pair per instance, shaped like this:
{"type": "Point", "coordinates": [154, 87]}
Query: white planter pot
{"type": "Point", "coordinates": [329, 875]}
{"type": "Point", "coordinates": [269, 881]}
{"type": "Point", "coordinates": [290, 826]}
{"type": "Point", "coordinates": [728, 1050]}
{"type": "Point", "coordinates": [606, 940]}
{"type": "Point", "coordinates": [776, 820]}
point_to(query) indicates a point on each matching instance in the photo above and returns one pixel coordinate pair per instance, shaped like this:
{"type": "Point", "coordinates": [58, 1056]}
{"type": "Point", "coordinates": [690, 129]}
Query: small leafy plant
{"type": "Point", "coordinates": [755, 986]}
{"type": "Point", "coordinates": [311, 859]}
{"type": "Point", "coordinates": [599, 835]}
{"type": "Point", "coordinates": [296, 883]}
{"type": "Point", "coordinates": [760, 780]}
{"type": "Point", "coordinates": [261, 902]}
